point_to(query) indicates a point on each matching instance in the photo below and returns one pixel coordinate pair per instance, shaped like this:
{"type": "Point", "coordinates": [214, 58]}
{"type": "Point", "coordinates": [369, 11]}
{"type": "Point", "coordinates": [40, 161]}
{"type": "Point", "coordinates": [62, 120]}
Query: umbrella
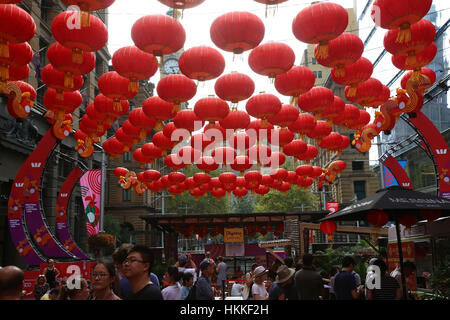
{"type": "Point", "coordinates": [395, 202]}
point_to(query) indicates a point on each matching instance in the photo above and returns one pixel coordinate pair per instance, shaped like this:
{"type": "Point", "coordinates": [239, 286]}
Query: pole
{"type": "Point", "coordinates": [400, 255]}
{"type": "Point", "coordinates": [163, 209]}
{"type": "Point", "coordinates": [102, 196]}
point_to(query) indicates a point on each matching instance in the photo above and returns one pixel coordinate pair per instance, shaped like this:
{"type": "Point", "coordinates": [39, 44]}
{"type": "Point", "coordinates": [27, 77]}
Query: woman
{"type": "Point", "coordinates": [41, 287]}
{"type": "Point", "coordinates": [247, 293]}
{"type": "Point", "coordinates": [51, 273]}
{"type": "Point", "coordinates": [103, 277]}
{"type": "Point", "coordinates": [82, 293]}
{"type": "Point", "coordinates": [173, 289]}
{"type": "Point", "coordinates": [259, 291]}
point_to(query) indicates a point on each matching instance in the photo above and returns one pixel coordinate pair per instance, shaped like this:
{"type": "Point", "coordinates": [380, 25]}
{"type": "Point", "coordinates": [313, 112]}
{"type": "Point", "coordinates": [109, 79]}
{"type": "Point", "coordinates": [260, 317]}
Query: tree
{"type": "Point", "coordinates": [245, 205]}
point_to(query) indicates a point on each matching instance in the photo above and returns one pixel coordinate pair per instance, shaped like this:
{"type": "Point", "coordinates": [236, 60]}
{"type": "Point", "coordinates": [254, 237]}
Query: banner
{"type": "Point", "coordinates": [234, 249]}
{"type": "Point", "coordinates": [332, 207]}
{"type": "Point", "coordinates": [393, 256]}
{"type": "Point", "coordinates": [90, 192]}
{"type": "Point", "coordinates": [233, 235]}
{"type": "Point", "coordinates": [389, 179]}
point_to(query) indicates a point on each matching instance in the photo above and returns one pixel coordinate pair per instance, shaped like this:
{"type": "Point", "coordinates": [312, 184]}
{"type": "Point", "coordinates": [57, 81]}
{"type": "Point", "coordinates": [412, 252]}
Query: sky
{"type": "Point", "coordinates": [196, 22]}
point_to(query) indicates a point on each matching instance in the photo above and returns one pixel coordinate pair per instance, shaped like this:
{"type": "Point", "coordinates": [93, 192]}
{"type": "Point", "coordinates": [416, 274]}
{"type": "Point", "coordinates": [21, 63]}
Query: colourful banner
{"type": "Point", "coordinates": [332, 207]}
{"type": "Point", "coordinates": [62, 227]}
{"type": "Point", "coordinates": [393, 255]}
{"type": "Point", "coordinates": [389, 178]}
{"type": "Point", "coordinates": [90, 191]}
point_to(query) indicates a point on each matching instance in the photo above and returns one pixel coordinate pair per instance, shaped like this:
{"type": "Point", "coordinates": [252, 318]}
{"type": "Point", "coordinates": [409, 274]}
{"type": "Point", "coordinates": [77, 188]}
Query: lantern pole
{"type": "Point", "coordinates": [400, 255]}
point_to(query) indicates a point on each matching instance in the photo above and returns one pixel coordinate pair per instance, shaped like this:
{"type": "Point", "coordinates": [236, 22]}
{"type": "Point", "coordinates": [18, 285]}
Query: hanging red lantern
{"type": "Point", "coordinates": [152, 151]}
{"type": "Point", "coordinates": [392, 14]}
{"type": "Point", "coordinates": [236, 119]}
{"type": "Point", "coordinates": [207, 164]}
{"type": "Point", "coordinates": [266, 180]}
{"type": "Point", "coordinates": [260, 130]}
{"type": "Point", "coordinates": [159, 109]}
{"type": "Point", "coordinates": [316, 172]}
{"type": "Point", "coordinates": [345, 143]}
{"type": "Point", "coordinates": [271, 59]}
{"type": "Point", "coordinates": [280, 137]}
{"type": "Point", "coordinates": [377, 218]}
{"type": "Point", "coordinates": [128, 128]}
{"type": "Point", "coordinates": [284, 188]}
{"type": "Point", "coordinates": [176, 178]}
{"type": "Point", "coordinates": [291, 177]}
{"type": "Point", "coordinates": [321, 130]}
{"type": "Point", "coordinates": [304, 170]}
{"type": "Point", "coordinates": [20, 54]}
{"type": "Point", "coordinates": [161, 141]}
{"type": "Point", "coordinates": [174, 162]}
{"type": "Point", "coordinates": [260, 154]}
{"type": "Point", "coordinates": [241, 164]}
{"type": "Point", "coordinates": [408, 220]}
{"type": "Point", "coordinates": [422, 59]}
{"type": "Point", "coordinates": [349, 116]}
{"type": "Point", "coordinates": [237, 31]}
{"type": "Point", "coordinates": [201, 63]}
{"type": "Point", "coordinates": [211, 109]}
{"type": "Point", "coordinates": [122, 137]}
{"type": "Point", "coordinates": [200, 141]}
{"type": "Point", "coordinates": [89, 38]}
{"type": "Point", "coordinates": [294, 148]}
{"type": "Point", "coordinates": [105, 106]}
{"type": "Point", "coordinates": [15, 73]}
{"type": "Point", "coordinates": [342, 51]}
{"type": "Point", "coordinates": [338, 165]}
{"type": "Point", "coordinates": [304, 124]}
{"type": "Point", "coordinates": [429, 73]}
{"type": "Point", "coordinates": [187, 119]}
{"type": "Point", "coordinates": [111, 146]}
{"type": "Point", "coordinates": [116, 87]}
{"type": "Point", "coordinates": [181, 4]}
{"type": "Point", "coordinates": [364, 119]}
{"type": "Point", "coordinates": [218, 193]}
{"type": "Point", "coordinates": [134, 64]}
{"type": "Point", "coordinates": [262, 190]}
{"type": "Point", "coordinates": [120, 172]}
{"type": "Point", "coordinates": [287, 115]}
{"type": "Point", "coordinates": [334, 110]}
{"type": "Point", "coordinates": [328, 227]}
{"type": "Point", "coordinates": [241, 141]}
{"type": "Point", "coordinates": [382, 98]}
{"type": "Point", "coordinates": [310, 153]}
{"type": "Point", "coordinates": [12, 16]}
{"type": "Point", "coordinates": [140, 120]}
{"type": "Point", "coordinates": [189, 155]}
{"type": "Point", "coordinates": [277, 159]}
{"type": "Point", "coordinates": [158, 34]}
{"type": "Point", "coordinates": [316, 100]}
{"type": "Point", "coordinates": [263, 106]}
{"type": "Point", "coordinates": [295, 82]}
{"type": "Point", "coordinates": [70, 102]}
{"type": "Point", "coordinates": [319, 23]}
{"type": "Point", "coordinates": [234, 87]}
{"type": "Point", "coordinates": [100, 118]}
{"type": "Point", "coordinates": [366, 92]}
{"type": "Point", "coordinates": [240, 192]}
{"type": "Point", "coordinates": [353, 74]}
{"type": "Point", "coordinates": [202, 178]}
{"type": "Point", "coordinates": [58, 80]}
{"type": "Point", "coordinates": [176, 88]}
{"type": "Point", "coordinates": [224, 155]}
{"type": "Point", "coordinates": [228, 179]}
{"type": "Point", "coordinates": [253, 179]}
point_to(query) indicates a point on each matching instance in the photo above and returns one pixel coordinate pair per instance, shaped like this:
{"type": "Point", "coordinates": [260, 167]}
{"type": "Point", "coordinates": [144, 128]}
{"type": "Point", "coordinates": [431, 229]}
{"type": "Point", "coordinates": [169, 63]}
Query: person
{"type": "Point", "coordinates": [122, 287]}
{"type": "Point", "coordinates": [247, 293]}
{"type": "Point", "coordinates": [103, 276]}
{"type": "Point", "coordinates": [188, 282]}
{"type": "Point", "coordinates": [81, 293]}
{"type": "Point", "coordinates": [410, 278]}
{"type": "Point", "coordinates": [278, 289]}
{"type": "Point", "coordinates": [221, 271]}
{"type": "Point", "coordinates": [334, 271]}
{"type": "Point", "coordinates": [259, 291]}
{"type": "Point", "coordinates": [390, 288]}
{"type": "Point", "coordinates": [51, 273]}
{"type": "Point", "coordinates": [238, 272]}
{"type": "Point", "coordinates": [186, 264]}
{"type": "Point", "coordinates": [345, 286]}
{"type": "Point", "coordinates": [272, 272]}
{"type": "Point", "coordinates": [289, 262]}
{"type": "Point", "coordinates": [137, 269]}
{"type": "Point", "coordinates": [41, 287]}
{"type": "Point", "coordinates": [308, 281]}
{"type": "Point", "coordinates": [52, 294]}
{"type": "Point", "coordinates": [173, 289]}
{"type": "Point", "coordinates": [11, 283]}
{"type": "Point", "coordinates": [204, 290]}
{"type": "Point", "coordinates": [237, 288]}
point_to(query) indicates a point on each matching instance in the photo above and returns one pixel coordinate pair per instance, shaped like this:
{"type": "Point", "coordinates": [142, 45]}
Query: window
{"type": "Point", "coordinates": [320, 74]}
{"type": "Point", "coordinates": [314, 61]}
{"type": "Point", "coordinates": [127, 157]}
{"type": "Point", "coordinates": [357, 165]}
{"type": "Point", "coordinates": [126, 195]}
{"type": "Point", "coordinates": [315, 74]}
{"type": "Point", "coordinates": [360, 189]}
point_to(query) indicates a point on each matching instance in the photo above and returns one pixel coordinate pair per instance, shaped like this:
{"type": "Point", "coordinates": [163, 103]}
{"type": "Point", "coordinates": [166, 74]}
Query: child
{"type": "Point", "coordinates": [188, 282]}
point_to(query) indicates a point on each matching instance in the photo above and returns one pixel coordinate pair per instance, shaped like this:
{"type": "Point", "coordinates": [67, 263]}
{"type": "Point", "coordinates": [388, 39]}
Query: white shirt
{"type": "Point", "coordinates": [236, 290]}
{"type": "Point", "coordinates": [172, 292]}
{"type": "Point", "coordinates": [259, 289]}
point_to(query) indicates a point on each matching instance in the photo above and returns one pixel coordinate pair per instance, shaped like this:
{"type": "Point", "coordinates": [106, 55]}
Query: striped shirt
{"type": "Point", "coordinates": [388, 289]}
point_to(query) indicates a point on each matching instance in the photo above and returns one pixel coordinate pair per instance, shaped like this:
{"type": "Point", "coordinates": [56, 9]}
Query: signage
{"type": "Point", "coordinates": [235, 249]}
{"type": "Point", "coordinates": [234, 235]}
{"type": "Point", "coordinates": [332, 207]}
{"type": "Point", "coordinates": [393, 256]}
{"type": "Point", "coordinates": [90, 191]}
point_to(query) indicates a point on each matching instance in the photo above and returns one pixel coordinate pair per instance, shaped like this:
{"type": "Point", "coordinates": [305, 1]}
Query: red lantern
{"type": "Point", "coordinates": [284, 187]}
{"type": "Point", "coordinates": [280, 137]}
{"type": "Point", "coordinates": [316, 100]}
{"type": "Point", "coordinates": [377, 218]}
{"type": "Point", "coordinates": [189, 155]}
{"type": "Point", "coordinates": [241, 141]}
{"type": "Point", "coordinates": [187, 119]}
{"type": "Point", "coordinates": [58, 80]}
{"type": "Point", "coordinates": [174, 162]}
{"type": "Point", "coordinates": [211, 109]}
{"type": "Point", "coordinates": [161, 141]}
{"type": "Point", "coordinates": [304, 170]}
{"type": "Point", "coordinates": [253, 179]}
{"type": "Point", "coordinates": [334, 110]}
{"type": "Point", "coordinates": [158, 34]}
{"type": "Point", "coordinates": [201, 63]}
{"type": "Point", "coordinates": [159, 109]}
{"type": "Point", "coordinates": [328, 227]}
{"type": "Point", "coordinates": [236, 119]}
{"type": "Point", "coordinates": [16, 73]}
{"type": "Point", "coordinates": [392, 14]}
{"type": "Point", "coordinates": [100, 119]}
{"type": "Point", "coordinates": [310, 153]}
{"type": "Point", "coordinates": [429, 73]}
{"type": "Point", "coordinates": [277, 159]}
{"type": "Point", "coordinates": [422, 59]}
{"type": "Point", "coordinates": [317, 172]}
{"type": "Point", "coordinates": [218, 193]}
{"type": "Point", "coordinates": [20, 54]}
{"type": "Point", "coordinates": [382, 98]}
{"type": "Point", "coordinates": [263, 106]}
{"type": "Point", "coordinates": [295, 148]}
{"type": "Point", "coordinates": [202, 178]}
{"type": "Point", "coordinates": [224, 155]}
{"type": "Point", "coordinates": [287, 115]}
{"type": "Point", "coordinates": [354, 74]}
{"type": "Point", "coordinates": [141, 158]}
{"type": "Point", "coordinates": [12, 16]}
{"type": "Point", "coordinates": [181, 4]}
{"type": "Point", "coordinates": [291, 177]}
{"type": "Point", "coordinates": [321, 130]}
{"type": "Point", "coordinates": [260, 154]}
{"type": "Point", "coordinates": [120, 172]}
{"type": "Point", "coordinates": [70, 102]}
{"type": "Point", "coordinates": [271, 59]}
{"type": "Point", "coordinates": [345, 143]}
{"type": "Point", "coordinates": [115, 87]}
{"type": "Point", "coordinates": [367, 92]}
{"type": "Point", "coordinates": [89, 38]}
{"type": "Point", "coordinates": [152, 151]}
{"type": "Point", "coordinates": [176, 88]}
{"type": "Point", "coordinates": [342, 51]}
{"type": "Point", "coordinates": [241, 164]}
{"type": "Point", "coordinates": [408, 220]}
{"type": "Point", "coordinates": [349, 116]}
{"type": "Point", "coordinates": [261, 130]}
{"type": "Point", "coordinates": [234, 87]}
{"type": "Point", "coordinates": [140, 120]}
{"type": "Point", "coordinates": [320, 23]}
{"type": "Point", "coordinates": [304, 124]}
{"type": "Point", "coordinates": [228, 179]}
{"type": "Point", "coordinates": [176, 178]}
{"type": "Point", "coordinates": [237, 31]}
{"type": "Point", "coordinates": [207, 164]}
{"type": "Point", "coordinates": [295, 82]}
{"type": "Point", "coordinates": [200, 141]}
{"type": "Point", "coordinates": [105, 106]}
{"type": "Point", "coordinates": [134, 64]}
{"type": "Point", "coordinates": [240, 192]}
{"type": "Point", "coordinates": [262, 190]}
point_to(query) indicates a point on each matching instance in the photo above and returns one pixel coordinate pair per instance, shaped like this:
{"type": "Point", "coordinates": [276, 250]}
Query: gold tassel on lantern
{"type": "Point", "coordinates": [133, 86]}
{"type": "Point", "coordinates": [351, 92]}
{"type": "Point", "coordinates": [404, 35]}
{"type": "Point", "coordinates": [4, 49]}
{"type": "Point", "coordinates": [411, 60]}
{"type": "Point", "coordinates": [339, 71]}
{"type": "Point", "coordinates": [77, 56]}
{"type": "Point", "coordinates": [68, 80]}
{"type": "Point", "coordinates": [4, 71]}
{"type": "Point", "coordinates": [416, 75]}
{"type": "Point", "coordinates": [117, 106]}
{"type": "Point", "coordinates": [85, 18]}
{"type": "Point", "coordinates": [60, 95]}
{"type": "Point", "coordinates": [322, 51]}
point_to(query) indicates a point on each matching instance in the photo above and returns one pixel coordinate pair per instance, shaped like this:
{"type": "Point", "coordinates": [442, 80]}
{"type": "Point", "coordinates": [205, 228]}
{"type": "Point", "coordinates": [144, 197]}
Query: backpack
{"type": "Point", "coordinates": [192, 295]}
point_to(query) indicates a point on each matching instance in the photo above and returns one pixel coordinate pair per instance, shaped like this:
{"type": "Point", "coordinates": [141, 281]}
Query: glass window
{"type": "Point", "coordinates": [315, 74]}
{"type": "Point", "coordinates": [126, 195]}
{"type": "Point", "coordinates": [320, 74]}
{"type": "Point", "coordinates": [127, 157]}
{"type": "Point", "coordinates": [357, 165]}
{"type": "Point", "coordinates": [314, 61]}
{"type": "Point", "coordinates": [360, 189]}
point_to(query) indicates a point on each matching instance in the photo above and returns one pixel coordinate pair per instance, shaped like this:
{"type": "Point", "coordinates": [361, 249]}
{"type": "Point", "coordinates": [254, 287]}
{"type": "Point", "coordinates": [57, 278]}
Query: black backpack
{"type": "Point", "coordinates": [192, 295]}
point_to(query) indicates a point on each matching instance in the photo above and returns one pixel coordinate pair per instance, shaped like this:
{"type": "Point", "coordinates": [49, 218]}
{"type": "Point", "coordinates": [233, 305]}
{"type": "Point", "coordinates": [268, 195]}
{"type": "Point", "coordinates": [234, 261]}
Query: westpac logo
{"type": "Point", "coordinates": [63, 195]}
{"type": "Point", "coordinates": [441, 151]}
{"type": "Point", "coordinates": [19, 184]}
{"type": "Point", "coordinates": [36, 164]}
{"type": "Point", "coordinates": [406, 184]}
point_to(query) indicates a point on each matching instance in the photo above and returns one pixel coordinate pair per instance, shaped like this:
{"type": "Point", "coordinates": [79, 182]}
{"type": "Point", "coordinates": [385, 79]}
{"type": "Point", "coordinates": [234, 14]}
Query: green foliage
{"type": "Point", "coordinates": [440, 282]}
{"type": "Point", "coordinates": [112, 226]}
{"type": "Point", "coordinates": [245, 205]}
{"type": "Point", "coordinates": [275, 201]}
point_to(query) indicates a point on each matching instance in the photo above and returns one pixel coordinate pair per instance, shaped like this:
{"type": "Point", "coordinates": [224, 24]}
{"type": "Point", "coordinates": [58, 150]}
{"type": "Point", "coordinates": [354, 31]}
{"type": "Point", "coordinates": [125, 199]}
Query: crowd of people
{"type": "Point", "coordinates": [129, 277]}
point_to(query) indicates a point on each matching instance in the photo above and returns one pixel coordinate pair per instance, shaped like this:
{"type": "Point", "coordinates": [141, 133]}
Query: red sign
{"type": "Point", "coordinates": [29, 282]}
{"type": "Point", "coordinates": [67, 269]}
{"type": "Point", "coordinates": [332, 207]}
{"type": "Point", "coordinates": [393, 256]}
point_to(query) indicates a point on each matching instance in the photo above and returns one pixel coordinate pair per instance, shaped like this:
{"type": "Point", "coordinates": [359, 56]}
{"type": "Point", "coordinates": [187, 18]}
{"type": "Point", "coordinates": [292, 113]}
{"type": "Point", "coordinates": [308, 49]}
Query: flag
{"type": "Point", "coordinates": [90, 192]}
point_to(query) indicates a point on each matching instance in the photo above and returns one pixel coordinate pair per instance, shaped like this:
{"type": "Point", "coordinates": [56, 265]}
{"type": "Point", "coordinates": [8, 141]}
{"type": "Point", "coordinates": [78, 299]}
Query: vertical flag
{"type": "Point", "coordinates": [90, 192]}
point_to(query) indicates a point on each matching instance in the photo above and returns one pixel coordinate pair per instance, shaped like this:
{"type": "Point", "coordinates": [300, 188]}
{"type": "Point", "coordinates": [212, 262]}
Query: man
{"type": "Point", "coordinates": [137, 268]}
{"type": "Point", "coordinates": [308, 282]}
{"type": "Point", "coordinates": [410, 278]}
{"type": "Point", "coordinates": [11, 283]}
{"type": "Point", "coordinates": [186, 264]}
{"type": "Point", "coordinates": [389, 287]}
{"type": "Point", "coordinates": [278, 289]}
{"type": "Point", "coordinates": [204, 290]}
{"type": "Point", "coordinates": [123, 289]}
{"type": "Point", "coordinates": [272, 274]}
{"type": "Point", "coordinates": [221, 271]}
{"type": "Point", "coordinates": [345, 286]}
